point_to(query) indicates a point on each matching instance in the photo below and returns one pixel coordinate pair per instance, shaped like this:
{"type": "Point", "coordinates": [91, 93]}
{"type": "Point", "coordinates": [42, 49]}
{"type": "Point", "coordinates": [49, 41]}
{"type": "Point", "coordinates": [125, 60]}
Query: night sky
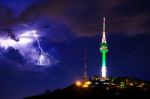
{"type": "Point", "coordinates": [65, 29]}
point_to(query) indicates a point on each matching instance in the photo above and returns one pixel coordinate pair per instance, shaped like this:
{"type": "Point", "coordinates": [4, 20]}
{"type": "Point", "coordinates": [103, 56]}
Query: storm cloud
{"type": "Point", "coordinates": [84, 17]}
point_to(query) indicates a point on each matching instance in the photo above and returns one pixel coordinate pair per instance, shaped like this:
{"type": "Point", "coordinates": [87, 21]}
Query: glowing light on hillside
{"type": "Point", "coordinates": [85, 86]}
{"type": "Point", "coordinates": [78, 83]}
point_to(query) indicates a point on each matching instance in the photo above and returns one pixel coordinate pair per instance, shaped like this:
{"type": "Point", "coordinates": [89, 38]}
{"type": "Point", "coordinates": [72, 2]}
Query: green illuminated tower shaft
{"type": "Point", "coordinates": [104, 50]}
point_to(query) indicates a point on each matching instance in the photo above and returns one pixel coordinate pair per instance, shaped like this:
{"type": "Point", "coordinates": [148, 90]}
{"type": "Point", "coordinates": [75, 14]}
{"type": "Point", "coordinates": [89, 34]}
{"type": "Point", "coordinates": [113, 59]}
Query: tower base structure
{"type": "Point", "coordinates": [103, 75]}
{"type": "Point", "coordinates": [103, 71]}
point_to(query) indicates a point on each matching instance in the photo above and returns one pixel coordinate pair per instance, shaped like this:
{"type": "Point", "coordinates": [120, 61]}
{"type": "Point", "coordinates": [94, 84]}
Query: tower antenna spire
{"type": "Point", "coordinates": [104, 33]}
{"type": "Point", "coordinates": [85, 65]}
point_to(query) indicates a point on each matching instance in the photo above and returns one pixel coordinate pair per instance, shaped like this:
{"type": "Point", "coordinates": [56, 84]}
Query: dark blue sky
{"type": "Point", "coordinates": [66, 28]}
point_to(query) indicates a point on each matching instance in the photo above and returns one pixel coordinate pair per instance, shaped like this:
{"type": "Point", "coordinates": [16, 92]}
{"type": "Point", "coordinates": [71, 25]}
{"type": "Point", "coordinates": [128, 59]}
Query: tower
{"type": "Point", "coordinates": [103, 50]}
{"type": "Point", "coordinates": [85, 77]}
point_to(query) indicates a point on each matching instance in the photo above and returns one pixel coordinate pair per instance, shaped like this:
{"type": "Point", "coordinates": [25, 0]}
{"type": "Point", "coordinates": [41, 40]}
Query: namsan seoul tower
{"type": "Point", "coordinates": [104, 50]}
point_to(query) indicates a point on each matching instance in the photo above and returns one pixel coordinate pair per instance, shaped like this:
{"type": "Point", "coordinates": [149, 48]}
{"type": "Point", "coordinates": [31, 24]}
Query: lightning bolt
{"type": "Point", "coordinates": [43, 57]}
{"type": "Point", "coordinates": [26, 39]}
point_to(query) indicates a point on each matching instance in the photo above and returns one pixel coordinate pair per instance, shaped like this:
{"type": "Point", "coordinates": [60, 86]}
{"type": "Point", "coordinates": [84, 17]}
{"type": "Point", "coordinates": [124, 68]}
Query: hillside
{"type": "Point", "coordinates": [98, 88]}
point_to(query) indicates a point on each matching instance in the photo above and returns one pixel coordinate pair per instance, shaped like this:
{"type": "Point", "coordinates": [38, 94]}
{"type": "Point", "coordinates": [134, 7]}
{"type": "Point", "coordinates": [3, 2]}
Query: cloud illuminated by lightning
{"type": "Point", "coordinates": [25, 46]}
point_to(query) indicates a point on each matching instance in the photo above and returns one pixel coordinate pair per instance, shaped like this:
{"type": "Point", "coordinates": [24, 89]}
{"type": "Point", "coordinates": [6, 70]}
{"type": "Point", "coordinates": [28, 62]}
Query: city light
{"type": "Point", "coordinates": [85, 86]}
{"type": "Point", "coordinates": [88, 82]}
{"type": "Point", "coordinates": [78, 83]}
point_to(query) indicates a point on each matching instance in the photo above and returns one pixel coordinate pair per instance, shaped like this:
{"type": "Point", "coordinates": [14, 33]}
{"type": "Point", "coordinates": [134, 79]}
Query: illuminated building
{"type": "Point", "coordinates": [103, 50]}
